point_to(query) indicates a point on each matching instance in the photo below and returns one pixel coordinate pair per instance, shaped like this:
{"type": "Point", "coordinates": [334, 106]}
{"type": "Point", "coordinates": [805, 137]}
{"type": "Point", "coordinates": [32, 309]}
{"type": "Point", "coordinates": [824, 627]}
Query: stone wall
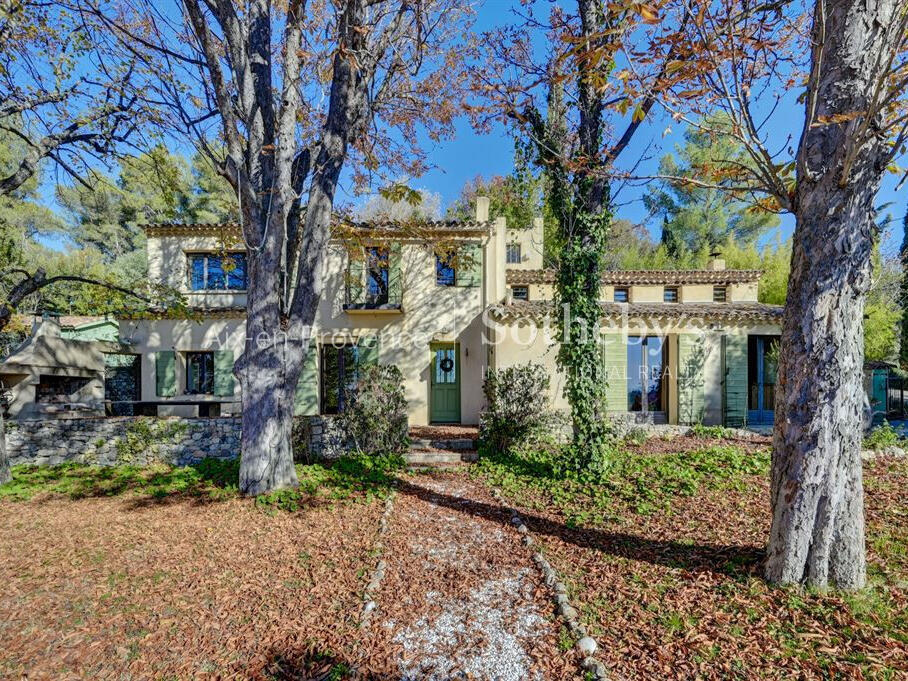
{"type": "Point", "coordinates": [323, 439]}
{"type": "Point", "coordinates": [142, 440]}
{"type": "Point", "coordinates": [122, 440]}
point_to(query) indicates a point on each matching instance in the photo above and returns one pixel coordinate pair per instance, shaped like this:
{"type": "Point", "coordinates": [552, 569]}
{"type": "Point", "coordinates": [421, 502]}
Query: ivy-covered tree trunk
{"type": "Point", "coordinates": [581, 205]}
{"type": "Point", "coordinates": [579, 312]}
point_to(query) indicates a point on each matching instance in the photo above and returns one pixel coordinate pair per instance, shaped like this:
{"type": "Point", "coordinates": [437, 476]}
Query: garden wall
{"type": "Point", "coordinates": [141, 440]}
{"type": "Point", "coordinates": [122, 440]}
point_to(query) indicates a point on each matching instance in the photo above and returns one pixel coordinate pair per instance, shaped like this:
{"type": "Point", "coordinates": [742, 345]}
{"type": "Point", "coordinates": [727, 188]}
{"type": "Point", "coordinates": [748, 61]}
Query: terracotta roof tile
{"type": "Point", "coordinates": [412, 229]}
{"type": "Point", "coordinates": [523, 310]}
{"type": "Point", "coordinates": [627, 277]}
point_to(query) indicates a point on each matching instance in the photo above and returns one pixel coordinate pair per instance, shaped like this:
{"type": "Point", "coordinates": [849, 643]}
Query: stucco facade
{"type": "Point", "coordinates": [446, 302]}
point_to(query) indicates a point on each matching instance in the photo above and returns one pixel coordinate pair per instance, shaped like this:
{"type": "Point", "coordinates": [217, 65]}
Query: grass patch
{"type": "Point", "coordinates": [210, 479]}
{"type": "Point", "coordinates": [645, 482]}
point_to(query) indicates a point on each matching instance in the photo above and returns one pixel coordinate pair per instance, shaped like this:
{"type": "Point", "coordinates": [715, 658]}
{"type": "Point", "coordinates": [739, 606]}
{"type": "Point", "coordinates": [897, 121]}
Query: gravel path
{"type": "Point", "coordinates": [461, 598]}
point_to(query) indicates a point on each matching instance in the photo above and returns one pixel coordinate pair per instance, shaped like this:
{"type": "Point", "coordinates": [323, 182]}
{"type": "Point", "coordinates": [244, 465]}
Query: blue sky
{"type": "Point", "coordinates": [469, 154]}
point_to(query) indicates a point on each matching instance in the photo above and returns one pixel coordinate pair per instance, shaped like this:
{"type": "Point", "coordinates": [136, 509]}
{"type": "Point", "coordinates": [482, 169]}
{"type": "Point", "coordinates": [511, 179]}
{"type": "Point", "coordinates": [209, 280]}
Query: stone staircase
{"type": "Point", "coordinates": [427, 450]}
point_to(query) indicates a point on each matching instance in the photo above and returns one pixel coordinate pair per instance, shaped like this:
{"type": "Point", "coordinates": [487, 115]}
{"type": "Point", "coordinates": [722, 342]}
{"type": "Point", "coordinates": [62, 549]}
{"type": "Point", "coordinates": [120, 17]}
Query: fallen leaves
{"type": "Point", "coordinates": [110, 588]}
{"type": "Point", "coordinates": [679, 594]}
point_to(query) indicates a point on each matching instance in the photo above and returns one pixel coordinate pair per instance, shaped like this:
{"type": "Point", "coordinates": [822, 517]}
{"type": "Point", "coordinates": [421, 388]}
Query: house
{"type": "Point", "coordinates": [446, 301]}
{"type": "Point", "coordinates": [50, 375]}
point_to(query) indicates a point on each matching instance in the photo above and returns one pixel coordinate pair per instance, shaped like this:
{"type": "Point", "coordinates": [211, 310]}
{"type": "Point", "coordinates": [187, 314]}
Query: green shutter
{"type": "Point", "coordinates": [469, 266]}
{"type": "Point", "coordinates": [691, 380]}
{"type": "Point", "coordinates": [367, 351]}
{"type": "Point", "coordinates": [356, 277]}
{"type": "Point", "coordinates": [395, 283]}
{"type": "Point", "coordinates": [735, 397]}
{"type": "Point", "coordinates": [614, 361]}
{"type": "Point", "coordinates": [165, 373]}
{"type": "Point", "coordinates": [223, 373]}
{"type": "Point", "coordinates": [305, 399]}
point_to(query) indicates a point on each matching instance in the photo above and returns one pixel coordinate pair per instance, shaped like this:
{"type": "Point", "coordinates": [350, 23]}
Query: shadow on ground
{"type": "Point", "coordinates": [733, 560]}
{"type": "Point", "coordinates": [318, 665]}
{"type": "Point", "coordinates": [206, 482]}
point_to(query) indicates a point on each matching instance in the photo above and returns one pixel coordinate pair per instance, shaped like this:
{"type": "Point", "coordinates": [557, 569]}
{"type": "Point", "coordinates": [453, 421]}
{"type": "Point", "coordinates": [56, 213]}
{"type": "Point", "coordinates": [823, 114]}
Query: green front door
{"type": "Point", "coordinates": [444, 400]}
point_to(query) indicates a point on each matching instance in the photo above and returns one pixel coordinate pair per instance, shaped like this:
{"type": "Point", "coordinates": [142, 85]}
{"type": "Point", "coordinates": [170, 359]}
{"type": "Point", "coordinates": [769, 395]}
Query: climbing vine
{"type": "Point", "coordinates": [583, 229]}
{"type": "Point", "coordinates": [577, 299]}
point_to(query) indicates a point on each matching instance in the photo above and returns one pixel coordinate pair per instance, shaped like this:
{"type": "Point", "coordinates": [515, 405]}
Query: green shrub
{"type": "Point", "coordinates": [375, 419]}
{"type": "Point", "coordinates": [517, 408]}
{"type": "Point", "coordinates": [636, 436]}
{"type": "Point", "coordinates": [711, 432]}
{"type": "Point", "coordinates": [883, 436]}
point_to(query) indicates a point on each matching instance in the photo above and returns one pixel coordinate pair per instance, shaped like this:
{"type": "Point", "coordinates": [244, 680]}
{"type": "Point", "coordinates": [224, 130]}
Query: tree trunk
{"type": "Point", "coordinates": [267, 372]}
{"type": "Point", "coordinates": [5, 473]}
{"type": "Point", "coordinates": [817, 533]}
{"type": "Point", "coordinates": [267, 459]}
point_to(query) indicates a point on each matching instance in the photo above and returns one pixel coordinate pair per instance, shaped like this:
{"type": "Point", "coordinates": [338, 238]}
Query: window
{"type": "Point", "coordinates": [719, 294]}
{"type": "Point", "coordinates": [670, 295]}
{"type": "Point", "coordinates": [377, 276]}
{"type": "Point", "coordinates": [645, 362]}
{"type": "Point", "coordinates": [520, 292]}
{"type": "Point", "coordinates": [445, 275]}
{"type": "Point", "coordinates": [58, 388]}
{"type": "Point", "coordinates": [200, 373]}
{"type": "Point", "coordinates": [338, 369]}
{"type": "Point", "coordinates": [512, 254]}
{"type": "Point", "coordinates": [621, 295]}
{"type": "Point", "coordinates": [215, 272]}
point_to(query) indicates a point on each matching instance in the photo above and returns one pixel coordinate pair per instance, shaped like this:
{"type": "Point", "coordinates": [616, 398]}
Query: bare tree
{"type": "Point", "coordinates": [294, 95]}
{"type": "Point", "coordinates": [70, 102]}
{"type": "Point", "coordinates": [553, 78]}
{"type": "Point", "coordinates": [745, 58]}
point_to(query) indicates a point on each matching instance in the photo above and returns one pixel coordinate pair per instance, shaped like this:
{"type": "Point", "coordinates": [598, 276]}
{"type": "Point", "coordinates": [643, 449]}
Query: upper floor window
{"type": "Point", "coordinates": [215, 272]}
{"type": "Point", "coordinates": [377, 276]}
{"type": "Point", "coordinates": [621, 295]}
{"type": "Point", "coordinates": [520, 292]}
{"type": "Point", "coordinates": [200, 373]}
{"type": "Point", "coordinates": [670, 294]}
{"type": "Point", "coordinates": [512, 255]}
{"type": "Point", "coordinates": [720, 294]}
{"type": "Point", "coordinates": [445, 274]}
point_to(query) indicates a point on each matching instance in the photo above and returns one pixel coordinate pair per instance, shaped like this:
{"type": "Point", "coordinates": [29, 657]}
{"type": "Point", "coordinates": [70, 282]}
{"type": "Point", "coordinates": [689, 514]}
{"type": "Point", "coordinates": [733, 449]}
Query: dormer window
{"type": "Point", "coordinates": [670, 294]}
{"type": "Point", "coordinates": [513, 255]}
{"type": "Point", "coordinates": [621, 295]}
{"type": "Point", "coordinates": [520, 292]}
{"type": "Point", "coordinates": [217, 272]}
{"type": "Point", "coordinates": [720, 294]}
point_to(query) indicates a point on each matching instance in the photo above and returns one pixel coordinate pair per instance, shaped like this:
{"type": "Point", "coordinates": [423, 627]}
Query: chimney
{"type": "Point", "coordinates": [482, 209]}
{"type": "Point", "coordinates": [46, 326]}
{"type": "Point", "coordinates": [716, 261]}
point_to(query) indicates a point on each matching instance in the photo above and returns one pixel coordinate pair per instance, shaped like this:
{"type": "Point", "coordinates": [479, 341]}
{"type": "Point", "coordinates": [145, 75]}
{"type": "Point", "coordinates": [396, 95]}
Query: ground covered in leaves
{"type": "Point", "coordinates": [461, 598]}
{"type": "Point", "coordinates": [663, 557]}
{"type": "Point", "coordinates": [165, 573]}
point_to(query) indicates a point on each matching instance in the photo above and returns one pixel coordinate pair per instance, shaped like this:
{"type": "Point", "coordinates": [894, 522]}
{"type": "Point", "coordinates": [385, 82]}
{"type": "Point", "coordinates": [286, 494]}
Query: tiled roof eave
{"type": "Point", "coordinates": [643, 277]}
{"type": "Point", "coordinates": [406, 230]}
{"type": "Point", "coordinates": [534, 311]}
{"type": "Point", "coordinates": [195, 313]}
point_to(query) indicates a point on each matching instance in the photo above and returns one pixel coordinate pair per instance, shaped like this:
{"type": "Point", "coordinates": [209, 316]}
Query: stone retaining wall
{"type": "Point", "coordinates": [122, 440]}
{"type": "Point", "coordinates": [326, 439]}
{"type": "Point", "coordinates": [142, 440]}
